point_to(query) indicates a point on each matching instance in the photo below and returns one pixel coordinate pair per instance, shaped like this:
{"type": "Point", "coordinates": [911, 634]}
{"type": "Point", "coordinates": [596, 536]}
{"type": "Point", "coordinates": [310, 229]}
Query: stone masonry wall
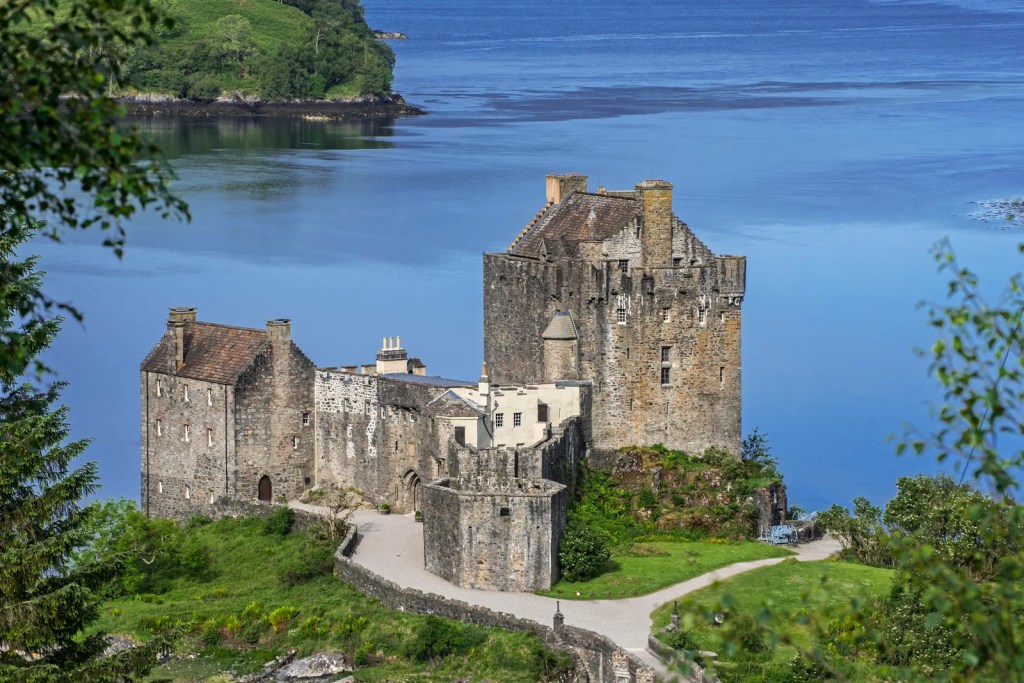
{"type": "Point", "coordinates": [602, 660]}
{"type": "Point", "coordinates": [700, 406]}
{"type": "Point", "coordinates": [272, 396]}
{"type": "Point", "coordinates": [347, 418]}
{"type": "Point", "coordinates": [183, 477]}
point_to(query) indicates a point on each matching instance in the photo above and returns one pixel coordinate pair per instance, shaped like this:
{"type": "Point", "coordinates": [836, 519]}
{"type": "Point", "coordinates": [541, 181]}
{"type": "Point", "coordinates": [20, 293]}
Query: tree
{"type": "Point", "coordinates": [583, 554]}
{"type": "Point", "coordinates": [63, 156]}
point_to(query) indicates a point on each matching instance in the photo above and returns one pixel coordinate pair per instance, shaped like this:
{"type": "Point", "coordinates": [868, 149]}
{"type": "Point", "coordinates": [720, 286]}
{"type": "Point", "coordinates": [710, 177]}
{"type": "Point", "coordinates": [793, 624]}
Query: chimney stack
{"type": "Point", "coordinates": [483, 385]}
{"type": "Point", "coordinates": [656, 202]}
{"type": "Point", "coordinates": [279, 331]}
{"type": "Point", "coordinates": [176, 321]}
{"type": "Point", "coordinates": [560, 186]}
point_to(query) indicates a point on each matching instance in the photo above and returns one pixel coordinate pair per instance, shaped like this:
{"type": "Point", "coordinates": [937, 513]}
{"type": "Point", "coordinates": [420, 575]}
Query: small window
{"type": "Point", "coordinates": [305, 419]}
{"type": "Point", "coordinates": [159, 428]}
{"type": "Point", "coordinates": [624, 265]}
{"type": "Point", "coordinates": [366, 405]}
{"type": "Point", "coordinates": [676, 262]}
{"type": "Point", "coordinates": [517, 419]}
{"type": "Point", "coordinates": [630, 405]}
{"type": "Point", "coordinates": [721, 377]}
{"type": "Point", "coordinates": [620, 316]}
{"type": "Point", "coordinates": [159, 388]}
{"type": "Point", "coordinates": [211, 497]}
{"type": "Point", "coordinates": [665, 351]}
{"type": "Point", "coordinates": [382, 413]}
{"type": "Point", "coordinates": [666, 375]}
{"type": "Point", "coordinates": [159, 487]}
{"type": "Point", "coordinates": [186, 393]}
{"type": "Point", "coordinates": [702, 316]}
{"type": "Point", "coordinates": [209, 397]}
{"type": "Point", "coordinates": [499, 419]}
{"type": "Point", "coordinates": [721, 317]}
{"type": "Point", "coordinates": [504, 512]}
{"type": "Point", "coordinates": [295, 443]}
{"type": "Point", "coordinates": [188, 430]}
{"type": "Point", "coordinates": [306, 480]}
{"type": "Point", "coordinates": [666, 315]}
{"type": "Point", "coordinates": [188, 492]}
{"type": "Point", "coordinates": [627, 353]}
{"type": "Point", "coordinates": [460, 436]}
{"type": "Point", "coordinates": [542, 412]}
{"type": "Point", "coordinates": [209, 437]}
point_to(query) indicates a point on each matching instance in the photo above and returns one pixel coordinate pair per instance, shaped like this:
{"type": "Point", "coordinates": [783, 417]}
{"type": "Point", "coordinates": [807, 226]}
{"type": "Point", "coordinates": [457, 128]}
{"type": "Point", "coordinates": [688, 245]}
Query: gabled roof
{"type": "Point", "coordinates": [561, 326]}
{"type": "Point", "coordinates": [579, 217]}
{"type": "Point", "coordinates": [427, 380]}
{"type": "Point", "coordinates": [213, 353]}
{"type": "Point", "coordinates": [450, 404]}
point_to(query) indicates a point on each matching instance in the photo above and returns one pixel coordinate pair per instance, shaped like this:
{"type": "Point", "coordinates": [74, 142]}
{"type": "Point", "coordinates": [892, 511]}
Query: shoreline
{"type": "Point", "coordinates": [161, 105]}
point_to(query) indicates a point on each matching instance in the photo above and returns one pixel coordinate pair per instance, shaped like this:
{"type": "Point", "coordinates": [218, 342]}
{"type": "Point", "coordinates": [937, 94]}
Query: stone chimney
{"type": "Point", "coordinates": [560, 186]}
{"type": "Point", "coordinates": [179, 316]}
{"type": "Point", "coordinates": [484, 383]}
{"type": "Point", "coordinates": [279, 331]}
{"type": "Point", "coordinates": [392, 357]}
{"type": "Point", "coordinates": [656, 201]}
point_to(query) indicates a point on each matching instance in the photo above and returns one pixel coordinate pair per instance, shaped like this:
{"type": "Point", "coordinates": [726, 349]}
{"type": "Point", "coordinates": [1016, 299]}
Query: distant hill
{"type": "Point", "coordinates": [265, 49]}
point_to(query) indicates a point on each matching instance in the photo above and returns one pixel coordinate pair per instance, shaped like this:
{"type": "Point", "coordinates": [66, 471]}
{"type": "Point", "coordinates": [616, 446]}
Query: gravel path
{"type": "Point", "coordinates": [392, 547]}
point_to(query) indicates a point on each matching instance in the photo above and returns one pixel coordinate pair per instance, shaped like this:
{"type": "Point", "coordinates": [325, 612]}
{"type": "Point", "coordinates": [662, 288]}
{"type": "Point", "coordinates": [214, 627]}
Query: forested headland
{"type": "Point", "coordinates": [269, 50]}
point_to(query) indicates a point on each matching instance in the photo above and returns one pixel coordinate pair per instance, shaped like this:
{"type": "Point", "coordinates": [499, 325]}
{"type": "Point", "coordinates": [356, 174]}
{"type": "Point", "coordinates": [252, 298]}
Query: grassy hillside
{"type": "Point", "coordinates": [244, 595]}
{"type": "Point", "coordinates": [274, 50]}
{"type": "Point", "coordinates": [799, 595]}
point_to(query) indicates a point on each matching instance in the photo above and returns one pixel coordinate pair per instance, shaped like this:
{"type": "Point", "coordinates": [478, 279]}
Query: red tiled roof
{"type": "Point", "coordinates": [571, 221]}
{"type": "Point", "coordinates": [213, 353]}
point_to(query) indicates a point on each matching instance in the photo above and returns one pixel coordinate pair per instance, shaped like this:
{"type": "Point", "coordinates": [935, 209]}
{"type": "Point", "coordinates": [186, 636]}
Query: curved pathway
{"type": "Point", "coordinates": [392, 547]}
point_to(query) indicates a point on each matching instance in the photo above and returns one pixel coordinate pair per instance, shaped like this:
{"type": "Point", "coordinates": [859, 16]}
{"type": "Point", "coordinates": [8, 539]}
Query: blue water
{"type": "Point", "coordinates": [831, 142]}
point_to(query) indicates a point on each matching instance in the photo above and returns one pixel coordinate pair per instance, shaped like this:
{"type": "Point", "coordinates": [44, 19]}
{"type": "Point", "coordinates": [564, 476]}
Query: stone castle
{"type": "Point", "coordinates": [607, 323]}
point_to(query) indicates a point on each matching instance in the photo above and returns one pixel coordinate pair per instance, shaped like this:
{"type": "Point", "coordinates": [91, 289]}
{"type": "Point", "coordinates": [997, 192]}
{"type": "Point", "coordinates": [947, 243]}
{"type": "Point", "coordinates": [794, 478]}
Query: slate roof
{"type": "Point", "coordinates": [428, 380]}
{"type": "Point", "coordinates": [561, 327]}
{"type": "Point", "coordinates": [579, 217]}
{"type": "Point", "coordinates": [213, 353]}
{"type": "Point", "coordinates": [450, 404]}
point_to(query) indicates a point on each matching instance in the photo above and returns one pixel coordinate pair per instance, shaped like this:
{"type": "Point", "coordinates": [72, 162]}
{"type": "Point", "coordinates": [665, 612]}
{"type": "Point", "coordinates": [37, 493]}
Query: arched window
{"type": "Point", "coordinates": [266, 490]}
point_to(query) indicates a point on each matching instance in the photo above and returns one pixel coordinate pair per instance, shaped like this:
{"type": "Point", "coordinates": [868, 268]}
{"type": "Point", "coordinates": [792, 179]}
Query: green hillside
{"type": "Point", "coordinates": [266, 49]}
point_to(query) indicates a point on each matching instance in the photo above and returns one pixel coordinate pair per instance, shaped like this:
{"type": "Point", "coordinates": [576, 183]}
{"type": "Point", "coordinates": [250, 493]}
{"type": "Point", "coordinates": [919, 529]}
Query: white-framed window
{"type": "Point", "coordinates": [209, 437]}
{"type": "Point", "coordinates": [159, 487]}
{"type": "Point", "coordinates": [499, 419]}
{"type": "Point", "coordinates": [188, 492]}
{"type": "Point", "coordinates": [517, 419]}
{"type": "Point", "coordinates": [666, 351]}
{"type": "Point", "coordinates": [620, 316]}
{"type": "Point", "coordinates": [624, 265]}
{"type": "Point", "coordinates": [186, 393]}
{"type": "Point", "coordinates": [721, 317]}
{"type": "Point", "coordinates": [159, 388]}
{"type": "Point", "coordinates": [209, 397]}
{"type": "Point", "coordinates": [295, 443]}
{"type": "Point", "coordinates": [305, 417]}
{"type": "Point", "coordinates": [188, 432]}
{"type": "Point", "coordinates": [382, 411]}
{"type": "Point", "coordinates": [666, 315]}
{"type": "Point", "coordinates": [666, 375]}
{"type": "Point", "coordinates": [159, 428]}
{"type": "Point", "coordinates": [702, 316]}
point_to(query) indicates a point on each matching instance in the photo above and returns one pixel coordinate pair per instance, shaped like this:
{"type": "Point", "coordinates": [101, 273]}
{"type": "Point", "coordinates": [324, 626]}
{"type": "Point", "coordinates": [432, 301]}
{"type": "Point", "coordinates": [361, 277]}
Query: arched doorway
{"type": "Point", "coordinates": [266, 490]}
{"type": "Point", "coordinates": [412, 490]}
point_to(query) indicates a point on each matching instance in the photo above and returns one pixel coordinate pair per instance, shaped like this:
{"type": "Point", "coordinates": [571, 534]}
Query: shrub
{"type": "Point", "coordinates": [437, 638]}
{"type": "Point", "coordinates": [280, 521]}
{"type": "Point", "coordinates": [583, 554]}
{"type": "Point", "coordinates": [744, 632]}
{"type": "Point", "coordinates": [315, 559]}
{"type": "Point", "coordinates": [280, 617]}
{"type": "Point", "coordinates": [210, 632]}
{"type": "Point", "coordinates": [682, 641]}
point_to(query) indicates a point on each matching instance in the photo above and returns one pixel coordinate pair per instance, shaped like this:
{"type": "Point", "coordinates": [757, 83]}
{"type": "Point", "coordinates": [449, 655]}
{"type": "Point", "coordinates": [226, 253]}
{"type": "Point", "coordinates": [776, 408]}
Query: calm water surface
{"type": "Point", "coordinates": [831, 142]}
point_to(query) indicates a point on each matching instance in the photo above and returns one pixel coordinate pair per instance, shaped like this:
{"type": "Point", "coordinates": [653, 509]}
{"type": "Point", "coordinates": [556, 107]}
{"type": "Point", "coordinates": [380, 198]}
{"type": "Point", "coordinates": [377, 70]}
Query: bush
{"type": "Point", "coordinates": [315, 559]}
{"type": "Point", "coordinates": [583, 554]}
{"type": "Point", "coordinates": [280, 521]}
{"type": "Point", "coordinates": [438, 638]}
{"type": "Point", "coordinates": [682, 640]}
{"type": "Point", "coordinates": [744, 632]}
{"type": "Point", "coordinates": [281, 617]}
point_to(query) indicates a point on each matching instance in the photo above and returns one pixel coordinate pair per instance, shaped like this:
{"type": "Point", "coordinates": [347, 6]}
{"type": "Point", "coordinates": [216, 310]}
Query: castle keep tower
{"type": "Point", "coordinates": [613, 287]}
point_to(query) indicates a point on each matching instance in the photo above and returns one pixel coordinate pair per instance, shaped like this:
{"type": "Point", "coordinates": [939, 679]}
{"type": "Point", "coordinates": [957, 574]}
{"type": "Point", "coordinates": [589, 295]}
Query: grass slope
{"type": "Point", "coordinates": [241, 612]}
{"type": "Point", "coordinates": [643, 568]}
{"type": "Point", "coordinates": [273, 23]}
{"type": "Point", "coordinates": [795, 593]}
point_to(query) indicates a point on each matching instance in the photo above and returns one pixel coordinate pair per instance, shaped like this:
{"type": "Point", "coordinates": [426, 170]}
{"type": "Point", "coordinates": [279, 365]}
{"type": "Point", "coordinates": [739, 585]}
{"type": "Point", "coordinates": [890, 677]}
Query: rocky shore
{"type": "Point", "coordinates": [360, 108]}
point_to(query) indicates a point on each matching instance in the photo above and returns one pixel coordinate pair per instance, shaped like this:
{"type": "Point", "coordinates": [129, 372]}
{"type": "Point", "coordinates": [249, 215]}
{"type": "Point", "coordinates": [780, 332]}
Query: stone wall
{"type": "Point", "coordinates": [183, 476]}
{"type": "Point", "coordinates": [602, 660]}
{"type": "Point", "coordinates": [501, 535]}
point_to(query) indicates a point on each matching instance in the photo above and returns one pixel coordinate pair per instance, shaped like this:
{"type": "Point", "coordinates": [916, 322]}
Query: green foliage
{"type": "Point", "coordinates": [682, 640]}
{"type": "Point", "coordinates": [863, 536]}
{"type": "Point", "coordinates": [280, 521]}
{"type": "Point", "coordinates": [315, 559]}
{"type": "Point", "coordinates": [273, 50]}
{"type": "Point", "coordinates": [757, 455]}
{"type": "Point", "coordinates": [583, 554]}
{"type": "Point", "coordinates": [437, 638]}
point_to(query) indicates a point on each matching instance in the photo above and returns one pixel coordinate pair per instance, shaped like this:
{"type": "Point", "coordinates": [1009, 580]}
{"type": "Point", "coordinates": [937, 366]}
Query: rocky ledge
{"type": "Point", "coordinates": [389, 35]}
{"type": "Point", "coordinates": [358, 108]}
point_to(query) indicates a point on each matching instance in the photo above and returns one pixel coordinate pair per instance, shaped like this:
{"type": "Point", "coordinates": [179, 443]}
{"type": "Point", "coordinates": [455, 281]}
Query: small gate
{"type": "Point", "coordinates": [266, 490]}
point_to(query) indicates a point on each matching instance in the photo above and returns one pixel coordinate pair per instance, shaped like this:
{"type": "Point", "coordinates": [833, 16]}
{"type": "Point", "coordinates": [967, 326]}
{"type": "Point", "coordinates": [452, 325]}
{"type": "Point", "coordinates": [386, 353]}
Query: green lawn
{"type": "Point", "coordinates": [794, 593]}
{"type": "Point", "coordinates": [240, 612]}
{"type": "Point", "coordinates": [643, 568]}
